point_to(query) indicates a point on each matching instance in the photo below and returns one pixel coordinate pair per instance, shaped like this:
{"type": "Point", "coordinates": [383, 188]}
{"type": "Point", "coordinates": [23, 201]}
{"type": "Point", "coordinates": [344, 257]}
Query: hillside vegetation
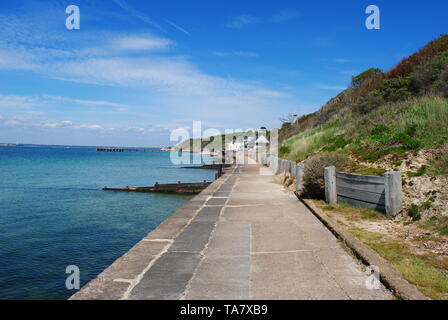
{"type": "Point", "coordinates": [381, 113]}
{"type": "Point", "coordinates": [394, 120]}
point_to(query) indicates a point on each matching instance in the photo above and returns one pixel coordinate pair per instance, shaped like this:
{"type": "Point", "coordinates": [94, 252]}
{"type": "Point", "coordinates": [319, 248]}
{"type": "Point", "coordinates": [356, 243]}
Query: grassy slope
{"type": "Point", "coordinates": [403, 110]}
{"type": "Point", "coordinates": [393, 129]}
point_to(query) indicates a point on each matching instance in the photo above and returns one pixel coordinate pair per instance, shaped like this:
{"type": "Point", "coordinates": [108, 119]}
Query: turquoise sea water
{"type": "Point", "coordinates": [53, 212]}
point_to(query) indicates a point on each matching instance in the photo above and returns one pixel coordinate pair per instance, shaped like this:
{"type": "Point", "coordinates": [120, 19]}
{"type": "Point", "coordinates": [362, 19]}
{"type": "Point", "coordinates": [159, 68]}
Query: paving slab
{"type": "Point", "coordinates": [216, 201]}
{"type": "Point", "coordinates": [208, 214]}
{"type": "Point", "coordinates": [168, 277]}
{"type": "Point", "coordinates": [194, 238]}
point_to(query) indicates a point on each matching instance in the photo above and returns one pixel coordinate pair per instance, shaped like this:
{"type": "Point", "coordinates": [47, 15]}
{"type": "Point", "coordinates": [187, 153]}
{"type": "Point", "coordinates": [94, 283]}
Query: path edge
{"type": "Point", "coordinates": [389, 276]}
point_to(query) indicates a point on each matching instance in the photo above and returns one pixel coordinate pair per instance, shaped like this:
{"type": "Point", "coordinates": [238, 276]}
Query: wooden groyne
{"type": "Point", "coordinates": [124, 149]}
{"type": "Point", "coordinates": [208, 166]}
{"type": "Point", "coordinates": [181, 188]}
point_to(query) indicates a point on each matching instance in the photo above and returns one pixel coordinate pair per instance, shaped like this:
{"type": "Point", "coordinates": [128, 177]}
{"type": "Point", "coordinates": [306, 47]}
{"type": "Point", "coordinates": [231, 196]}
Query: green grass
{"type": "Point", "coordinates": [406, 126]}
{"type": "Point", "coordinates": [307, 143]}
{"type": "Point", "coordinates": [420, 172]}
{"type": "Point", "coordinates": [424, 271]}
{"type": "Point", "coordinates": [439, 225]}
{"type": "Point", "coordinates": [394, 130]}
{"type": "Point", "coordinates": [350, 212]}
{"type": "Point", "coordinates": [366, 170]}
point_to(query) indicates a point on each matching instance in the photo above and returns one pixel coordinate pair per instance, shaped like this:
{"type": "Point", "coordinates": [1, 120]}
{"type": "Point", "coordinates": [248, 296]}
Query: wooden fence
{"type": "Point", "coordinates": [379, 193]}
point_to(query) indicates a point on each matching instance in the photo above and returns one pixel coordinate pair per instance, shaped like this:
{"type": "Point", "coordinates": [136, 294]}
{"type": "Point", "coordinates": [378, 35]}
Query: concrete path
{"type": "Point", "coordinates": [245, 238]}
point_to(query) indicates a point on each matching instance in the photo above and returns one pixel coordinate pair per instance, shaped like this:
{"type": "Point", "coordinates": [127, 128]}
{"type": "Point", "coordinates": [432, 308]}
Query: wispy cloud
{"type": "Point", "coordinates": [286, 15]}
{"type": "Point", "coordinates": [49, 99]}
{"type": "Point", "coordinates": [144, 65]}
{"type": "Point", "coordinates": [125, 6]}
{"type": "Point", "coordinates": [242, 21]}
{"type": "Point", "coordinates": [176, 26]}
{"type": "Point", "coordinates": [11, 102]}
{"type": "Point", "coordinates": [149, 43]}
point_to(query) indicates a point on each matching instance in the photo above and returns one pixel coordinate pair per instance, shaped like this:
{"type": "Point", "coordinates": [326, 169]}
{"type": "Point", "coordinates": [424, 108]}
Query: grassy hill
{"type": "Point", "coordinates": [381, 114]}
{"type": "Point", "coordinates": [394, 120]}
{"type": "Point", "coordinates": [216, 143]}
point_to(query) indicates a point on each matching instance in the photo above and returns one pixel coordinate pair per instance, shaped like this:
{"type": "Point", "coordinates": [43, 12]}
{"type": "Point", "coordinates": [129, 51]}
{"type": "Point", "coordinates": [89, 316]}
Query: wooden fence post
{"type": "Point", "coordinates": [293, 169]}
{"type": "Point", "coordinates": [276, 165]}
{"type": "Point", "coordinates": [287, 167]}
{"type": "Point", "coordinates": [299, 177]}
{"type": "Point", "coordinates": [330, 185]}
{"type": "Point", "coordinates": [393, 193]}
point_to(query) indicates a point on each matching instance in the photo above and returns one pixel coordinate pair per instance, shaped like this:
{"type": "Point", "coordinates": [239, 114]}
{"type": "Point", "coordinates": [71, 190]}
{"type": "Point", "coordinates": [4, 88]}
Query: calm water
{"type": "Point", "coordinates": [53, 212]}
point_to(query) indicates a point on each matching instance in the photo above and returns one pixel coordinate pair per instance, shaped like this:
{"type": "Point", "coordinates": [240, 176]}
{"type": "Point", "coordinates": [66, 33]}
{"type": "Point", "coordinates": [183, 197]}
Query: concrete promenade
{"type": "Point", "coordinates": [244, 237]}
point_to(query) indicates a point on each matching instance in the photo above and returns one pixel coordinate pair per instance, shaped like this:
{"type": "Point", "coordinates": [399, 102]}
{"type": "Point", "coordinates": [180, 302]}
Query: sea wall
{"type": "Point", "coordinates": [117, 281]}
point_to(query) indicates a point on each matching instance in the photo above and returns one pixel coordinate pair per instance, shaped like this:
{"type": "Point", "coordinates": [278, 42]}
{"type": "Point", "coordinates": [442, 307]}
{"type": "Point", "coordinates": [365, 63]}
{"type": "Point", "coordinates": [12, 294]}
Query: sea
{"type": "Point", "coordinates": [54, 213]}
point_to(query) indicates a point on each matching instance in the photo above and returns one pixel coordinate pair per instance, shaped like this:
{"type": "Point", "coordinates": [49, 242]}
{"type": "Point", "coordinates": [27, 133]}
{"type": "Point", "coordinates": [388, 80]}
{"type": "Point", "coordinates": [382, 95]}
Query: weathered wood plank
{"type": "Point", "coordinates": [394, 194]}
{"type": "Point", "coordinates": [330, 185]}
{"type": "Point", "coordinates": [360, 178]}
{"type": "Point", "coordinates": [194, 187]}
{"type": "Point", "coordinates": [372, 197]}
{"type": "Point", "coordinates": [363, 204]}
{"type": "Point", "coordinates": [360, 185]}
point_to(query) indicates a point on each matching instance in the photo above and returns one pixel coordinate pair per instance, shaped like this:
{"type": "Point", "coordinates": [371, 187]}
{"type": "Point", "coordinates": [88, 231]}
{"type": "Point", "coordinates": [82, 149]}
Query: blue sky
{"type": "Point", "coordinates": [138, 69]}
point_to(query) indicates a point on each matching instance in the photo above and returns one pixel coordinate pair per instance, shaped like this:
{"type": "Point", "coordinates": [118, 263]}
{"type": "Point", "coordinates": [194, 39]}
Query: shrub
{"type": "Point", "coordinates": [358, 80]}
{"type": "Point", "coordinates": [313, 178]}
{"type": "Point", "coordinates": [409, 143]}
{"type": "Point", "coordinates": [424, 79]}
{"type": "Point", "coordinates": [336, 143]}
{"type": "Point", "coordinates": [284, 150]}
{"type": "Point", "coordinates": [425, 54]}
{"type": "Point", "coordinates": [414, 212]}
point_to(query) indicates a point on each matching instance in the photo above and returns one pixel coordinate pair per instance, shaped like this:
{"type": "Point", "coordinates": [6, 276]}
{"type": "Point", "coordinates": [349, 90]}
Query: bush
{"type": "Point", "coordinates": [424, 79]}
{"type": "Point", "coordinates": [313, 178]}
{"type": "Point", "coordinates": [414, 212]}
{"type": "Point", "coordinates": [358, 80]}
{"type": "Point", "coordinates": [284, 150]}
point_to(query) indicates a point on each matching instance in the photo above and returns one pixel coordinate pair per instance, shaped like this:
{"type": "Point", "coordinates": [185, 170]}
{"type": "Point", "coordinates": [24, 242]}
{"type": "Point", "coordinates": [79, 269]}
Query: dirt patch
{"type": "Point", "coordinates": [421, 240]}
{"type": "Point", "coordinates": [421, 255]}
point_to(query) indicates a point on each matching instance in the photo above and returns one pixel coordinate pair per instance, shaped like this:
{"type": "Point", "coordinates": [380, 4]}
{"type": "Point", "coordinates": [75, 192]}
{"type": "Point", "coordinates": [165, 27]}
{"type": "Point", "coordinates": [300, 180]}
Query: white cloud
{"type": "Point", "coordinates": [52, 124]}
{"type": "Point", "coordinates": [141, 43]}
{"type": "Point", "coordinates": [176, 26]}
{"type": "Point", "coordinates": [13, 102]}
{"type": "Point", "coordinates": [49, 99]}
{"type": "Point", "coordinates": [243, 21]}
{"type": "Point", "coordinates": [172, 83]}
